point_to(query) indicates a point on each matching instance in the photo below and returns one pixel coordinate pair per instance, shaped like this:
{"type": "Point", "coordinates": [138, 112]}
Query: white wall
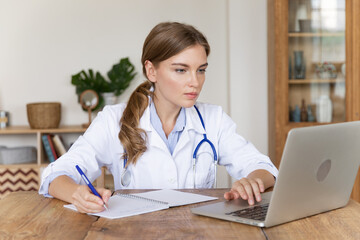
{"type": "Point", "coordinates": [248, 70]}
{"type": "Point", "coordinates": [44, 42]}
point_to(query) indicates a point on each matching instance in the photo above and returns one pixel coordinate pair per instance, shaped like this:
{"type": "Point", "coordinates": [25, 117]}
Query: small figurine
{"type": "Point", "coordinates": [304, 113]}
{"type": "Point", "coordinates": [296, 114]}
{"type": "Point", "coordinates": [311, 117]}
{"type": "Point", "coordinates": [299, 65]}
{"type": "Point", "coordinates": [326, 70]}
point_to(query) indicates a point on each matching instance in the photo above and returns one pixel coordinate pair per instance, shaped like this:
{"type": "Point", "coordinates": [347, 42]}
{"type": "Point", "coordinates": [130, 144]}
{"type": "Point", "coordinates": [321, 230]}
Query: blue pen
{"type": "Point", "coordinates": [82, 174]}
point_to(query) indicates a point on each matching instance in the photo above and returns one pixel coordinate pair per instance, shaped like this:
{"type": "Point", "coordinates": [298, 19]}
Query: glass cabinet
{"type": "Point", "coordinates": [317, 61]}
{"type": "Point", "coordinates": [313, 67]}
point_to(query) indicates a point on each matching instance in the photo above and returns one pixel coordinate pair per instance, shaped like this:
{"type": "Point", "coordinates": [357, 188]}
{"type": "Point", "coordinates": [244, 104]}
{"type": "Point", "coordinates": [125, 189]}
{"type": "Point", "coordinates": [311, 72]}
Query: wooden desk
{"type": "Point", "coordinates": [31, 216]}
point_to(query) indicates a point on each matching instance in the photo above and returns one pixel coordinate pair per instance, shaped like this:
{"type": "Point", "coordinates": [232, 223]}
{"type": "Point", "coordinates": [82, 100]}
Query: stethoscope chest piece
{"type": "Point", "coordinates": [125, 177]}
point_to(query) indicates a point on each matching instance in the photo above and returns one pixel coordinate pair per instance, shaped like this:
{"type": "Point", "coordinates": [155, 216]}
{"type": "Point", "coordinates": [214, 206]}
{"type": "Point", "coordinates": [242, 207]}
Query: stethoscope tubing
{"type": "Point", "coordinates": [126, 177]}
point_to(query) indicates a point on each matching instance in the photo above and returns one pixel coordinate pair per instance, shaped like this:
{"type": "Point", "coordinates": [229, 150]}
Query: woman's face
{"type": "Point", "coordinates": [179, 79]}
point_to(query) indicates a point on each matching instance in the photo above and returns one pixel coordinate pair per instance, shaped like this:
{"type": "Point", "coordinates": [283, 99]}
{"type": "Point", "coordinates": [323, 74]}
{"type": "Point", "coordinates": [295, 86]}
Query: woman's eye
{"type": "Point", "coordinates": [180, 70]}
{"type": "Point", "coordinates": [202, 70]}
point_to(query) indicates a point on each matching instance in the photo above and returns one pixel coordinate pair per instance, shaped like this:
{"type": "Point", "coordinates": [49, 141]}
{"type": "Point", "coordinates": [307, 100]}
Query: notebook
{"type": "Point", "coordinates": [125, 205]}
{"type": "Point", "coordinates": [317, 173]}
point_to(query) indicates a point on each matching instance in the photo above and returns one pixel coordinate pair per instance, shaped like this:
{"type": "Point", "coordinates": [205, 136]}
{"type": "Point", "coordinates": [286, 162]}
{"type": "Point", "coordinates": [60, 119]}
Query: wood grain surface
{"type": "Point", "coordinates": [174, 223]}
{"type": "Point", "coordinates": [338, 224]}
{"type": "Point", "coordinates": [27, 215]}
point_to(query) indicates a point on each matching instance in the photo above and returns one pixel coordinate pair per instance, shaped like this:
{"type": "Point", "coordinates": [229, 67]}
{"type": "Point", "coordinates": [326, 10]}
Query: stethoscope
{"type": "Point", "coordinates": [126, 175]}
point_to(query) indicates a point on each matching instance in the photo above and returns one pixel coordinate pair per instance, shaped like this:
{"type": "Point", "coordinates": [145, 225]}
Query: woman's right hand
{"type": "Point", "coordinates": [64, 188]}
{"type": "Point", "coordinates": [86, 202]}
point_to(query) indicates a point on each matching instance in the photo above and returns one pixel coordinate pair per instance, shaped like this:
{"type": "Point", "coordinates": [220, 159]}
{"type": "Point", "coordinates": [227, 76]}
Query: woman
{"type": "Point", "coordinates": [149, 142]}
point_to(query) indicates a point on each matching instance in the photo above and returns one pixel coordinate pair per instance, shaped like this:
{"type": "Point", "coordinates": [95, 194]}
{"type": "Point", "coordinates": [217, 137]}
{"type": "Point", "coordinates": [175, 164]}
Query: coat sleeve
{"type": "Point", "coordinates": [91, 151]}
{"type": "Point", "coordinates": [239, 156]}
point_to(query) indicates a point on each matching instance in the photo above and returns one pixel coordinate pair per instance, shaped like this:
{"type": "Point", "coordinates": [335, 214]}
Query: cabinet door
{"type": "Point", "coordinates": [317, 61]}
{"type": "Point", "coordinates": [313, 67]}
{"type": "Point", "coordinates": [18, 178]}
{"type": "Point", "coordinates": [314, 54]}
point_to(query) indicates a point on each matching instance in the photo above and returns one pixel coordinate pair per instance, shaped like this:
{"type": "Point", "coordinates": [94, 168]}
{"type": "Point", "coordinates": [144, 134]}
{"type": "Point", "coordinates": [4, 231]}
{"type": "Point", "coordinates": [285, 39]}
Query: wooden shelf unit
{"type": "Point", "coordinates": [316, 34]}
{"type": "Point", "coordinates": [16, 177]}
{"type": "Point", "coordinates": [310, 81]}
{"type": "Point", "coordinates": [279, 40]}
{"type": "Point", "coordinates": [21, 130]}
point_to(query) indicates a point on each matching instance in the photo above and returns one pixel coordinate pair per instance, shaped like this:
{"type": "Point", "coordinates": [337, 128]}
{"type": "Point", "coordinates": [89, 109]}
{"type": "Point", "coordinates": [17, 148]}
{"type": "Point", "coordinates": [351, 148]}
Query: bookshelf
{"type": "Point", "coordinates": [16, 177]}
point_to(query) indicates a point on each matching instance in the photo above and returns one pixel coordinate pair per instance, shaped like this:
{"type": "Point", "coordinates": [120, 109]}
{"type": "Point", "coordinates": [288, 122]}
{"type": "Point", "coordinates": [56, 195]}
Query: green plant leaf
{"type": "Point", "coordinates": [121, 75]}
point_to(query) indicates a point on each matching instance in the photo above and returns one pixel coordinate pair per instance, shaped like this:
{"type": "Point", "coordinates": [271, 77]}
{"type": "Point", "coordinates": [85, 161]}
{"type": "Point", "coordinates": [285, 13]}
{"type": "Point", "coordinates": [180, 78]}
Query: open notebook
{"type": "Point", "coordinates": [125, 205]}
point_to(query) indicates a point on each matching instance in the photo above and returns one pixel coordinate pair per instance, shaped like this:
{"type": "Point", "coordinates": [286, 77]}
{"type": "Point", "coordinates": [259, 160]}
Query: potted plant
{"type": "Point", "coordinates": [120, 76]}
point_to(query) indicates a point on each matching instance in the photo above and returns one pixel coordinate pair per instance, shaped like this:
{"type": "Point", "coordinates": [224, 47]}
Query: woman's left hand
{"type": "Point", "coordinates": [251, 187]}
{"type": "Point", "coordinates": [247, 189]}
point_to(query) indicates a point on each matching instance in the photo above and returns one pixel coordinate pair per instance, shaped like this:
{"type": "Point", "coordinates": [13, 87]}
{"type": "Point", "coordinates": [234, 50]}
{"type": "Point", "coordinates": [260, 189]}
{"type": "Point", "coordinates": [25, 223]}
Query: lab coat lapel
{"type": "Point", "coordinates": [153, 137]}
{"type": "Point", "coordinates": [193, 123]}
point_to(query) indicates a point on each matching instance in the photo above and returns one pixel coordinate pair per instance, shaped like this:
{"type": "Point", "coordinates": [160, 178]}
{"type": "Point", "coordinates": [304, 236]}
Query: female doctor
{"type": "Point", "coordinates": [162, 138]}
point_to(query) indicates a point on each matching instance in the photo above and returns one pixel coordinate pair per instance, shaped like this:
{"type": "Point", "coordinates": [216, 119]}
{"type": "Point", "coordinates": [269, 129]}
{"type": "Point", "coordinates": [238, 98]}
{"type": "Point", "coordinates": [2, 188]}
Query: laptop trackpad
{"type": "Point", "coordinates": [221, 208]}
{"type": "Point", "coordinates": [238, 204]}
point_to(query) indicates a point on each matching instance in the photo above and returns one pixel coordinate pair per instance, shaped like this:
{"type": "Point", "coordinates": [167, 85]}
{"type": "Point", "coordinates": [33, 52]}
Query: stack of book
{"type": "Point", "coordinates": [54, 146]}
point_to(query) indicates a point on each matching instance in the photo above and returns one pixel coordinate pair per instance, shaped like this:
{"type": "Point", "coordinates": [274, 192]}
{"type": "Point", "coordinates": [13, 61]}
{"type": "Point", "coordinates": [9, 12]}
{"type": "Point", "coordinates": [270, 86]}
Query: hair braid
{"type": "Point", "coordinates": [131, 136]}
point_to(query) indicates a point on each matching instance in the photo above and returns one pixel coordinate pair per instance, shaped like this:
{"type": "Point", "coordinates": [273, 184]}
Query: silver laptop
{"type": "Point", "coordinates": [317, 173]}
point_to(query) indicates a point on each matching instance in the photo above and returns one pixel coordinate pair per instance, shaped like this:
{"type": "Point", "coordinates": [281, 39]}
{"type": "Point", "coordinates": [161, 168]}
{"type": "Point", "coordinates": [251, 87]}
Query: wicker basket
{"type": "Point", "coordinates": [44, 115]}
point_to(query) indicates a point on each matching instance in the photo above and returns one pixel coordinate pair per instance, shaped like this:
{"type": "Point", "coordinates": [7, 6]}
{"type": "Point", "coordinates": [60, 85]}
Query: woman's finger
{"type": "Point", "coordinates": [256, 190]}
{"type": "Point", "coordinates": [249, 192]}
{"type": "Point", "coordinates": [240, 189]}
{"type": "Point", "coordinates": [105, 194]}
{"type": "Point", "coordinates": [85, 201]}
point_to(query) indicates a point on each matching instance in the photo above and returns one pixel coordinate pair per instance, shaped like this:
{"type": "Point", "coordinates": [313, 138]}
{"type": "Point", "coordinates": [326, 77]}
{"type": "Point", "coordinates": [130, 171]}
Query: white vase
{"type": "Point", "coordinates": [324, 109]}
{"type": "Point", "coordinates": [109, 98]}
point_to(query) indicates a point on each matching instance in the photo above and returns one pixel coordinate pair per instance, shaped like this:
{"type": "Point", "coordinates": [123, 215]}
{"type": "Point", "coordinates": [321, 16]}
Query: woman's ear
{"type": "Point", "coordinates": [150, 71]}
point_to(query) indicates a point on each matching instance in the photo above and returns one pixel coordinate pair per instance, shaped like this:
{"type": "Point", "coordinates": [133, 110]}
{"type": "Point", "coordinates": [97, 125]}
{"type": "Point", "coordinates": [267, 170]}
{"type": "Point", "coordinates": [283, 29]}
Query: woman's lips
{"type": "Point", "coordinates": [191, 95]}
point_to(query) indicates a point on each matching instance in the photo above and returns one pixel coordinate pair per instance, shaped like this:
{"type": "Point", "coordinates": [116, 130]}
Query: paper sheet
{"type": "Point", "coordinates": [120, 207]}
{"type": "Point", "coordinates": [129, 205]}
{"type": "Point", "coordinates": [175, 198]}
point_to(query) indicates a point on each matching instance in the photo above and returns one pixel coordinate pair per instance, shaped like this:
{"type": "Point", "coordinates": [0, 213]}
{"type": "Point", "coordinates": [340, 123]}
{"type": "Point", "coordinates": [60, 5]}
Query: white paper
{"type": "Point", "coordinates": [127, 205]}
{"type": "Point", "coordinates": [119, 207]}
{"type": "Point", "coordinates": [175, 198]}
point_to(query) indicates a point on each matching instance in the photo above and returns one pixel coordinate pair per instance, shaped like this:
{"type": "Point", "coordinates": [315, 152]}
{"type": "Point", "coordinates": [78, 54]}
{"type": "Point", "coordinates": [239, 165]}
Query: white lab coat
{"type": "Point", "coordinates": [157, 168]}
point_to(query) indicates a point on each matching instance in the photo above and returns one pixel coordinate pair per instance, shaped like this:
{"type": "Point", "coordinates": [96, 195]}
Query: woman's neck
{"type": "Point", "coordinates": [167, 115]}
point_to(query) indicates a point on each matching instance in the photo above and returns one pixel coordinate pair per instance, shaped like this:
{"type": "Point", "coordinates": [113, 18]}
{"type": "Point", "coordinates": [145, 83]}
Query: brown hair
{"type": "Point", "coordinates": [164, 41]}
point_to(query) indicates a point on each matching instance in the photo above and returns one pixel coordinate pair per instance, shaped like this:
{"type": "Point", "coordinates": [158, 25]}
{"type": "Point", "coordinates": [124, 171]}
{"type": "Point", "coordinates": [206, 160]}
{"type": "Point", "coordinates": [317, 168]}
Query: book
{"type": "Point", "coordinates": [52, 146]}
{"type": "Point", "coordinates": [59, 145]}
{"type": "Point", "coordinates": [126, 205]}
{"type": "Point", "coordinates": [47, 148]}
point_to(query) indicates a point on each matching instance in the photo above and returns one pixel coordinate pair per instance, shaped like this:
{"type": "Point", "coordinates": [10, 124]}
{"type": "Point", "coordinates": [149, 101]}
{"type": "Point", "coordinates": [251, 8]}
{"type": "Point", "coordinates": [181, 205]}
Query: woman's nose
{"type": "Point", "coordinates": [194, 79]}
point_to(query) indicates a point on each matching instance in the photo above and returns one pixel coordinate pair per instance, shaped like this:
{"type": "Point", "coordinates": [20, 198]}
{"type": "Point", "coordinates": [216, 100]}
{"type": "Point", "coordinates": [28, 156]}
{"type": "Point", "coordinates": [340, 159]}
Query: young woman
{"type": "Point", "coordinates": [162, 138]}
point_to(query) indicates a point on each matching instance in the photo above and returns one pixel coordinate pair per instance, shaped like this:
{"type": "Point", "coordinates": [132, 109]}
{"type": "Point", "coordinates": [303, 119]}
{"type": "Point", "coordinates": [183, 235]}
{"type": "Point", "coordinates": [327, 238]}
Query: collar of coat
{"type": "Point", "coordinates": [193, 121]}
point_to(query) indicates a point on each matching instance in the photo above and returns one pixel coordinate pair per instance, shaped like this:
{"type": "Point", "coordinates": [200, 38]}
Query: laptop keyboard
{"type": "Point", "coordinates": [255, 212]}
